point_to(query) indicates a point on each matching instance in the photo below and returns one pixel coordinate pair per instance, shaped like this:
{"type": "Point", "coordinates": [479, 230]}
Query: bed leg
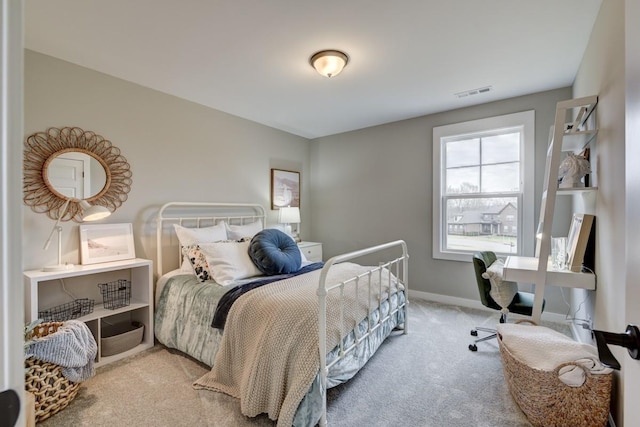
{"type": "Point", "coordinates": [323, 420]}
{"type": "Point", "coordinates": [406, 317]}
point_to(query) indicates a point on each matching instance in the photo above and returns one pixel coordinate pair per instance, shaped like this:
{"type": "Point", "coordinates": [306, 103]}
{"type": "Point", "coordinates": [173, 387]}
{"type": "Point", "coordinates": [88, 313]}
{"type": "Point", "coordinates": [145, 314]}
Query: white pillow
{"type": "Point", "coordinates": [186, 266]}
{"type": "Point", "coordinates": [502, 291]}
{"type": "Point", "coordinates": [194, 236]}
{"type": "Point", "coordinates": [237, 232]}
{"type": "Point", "coordinates": [229, 261]}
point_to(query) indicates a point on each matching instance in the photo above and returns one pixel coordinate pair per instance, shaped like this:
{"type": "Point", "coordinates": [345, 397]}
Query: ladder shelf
{"type": "Point", "coordinates": [565, 136]}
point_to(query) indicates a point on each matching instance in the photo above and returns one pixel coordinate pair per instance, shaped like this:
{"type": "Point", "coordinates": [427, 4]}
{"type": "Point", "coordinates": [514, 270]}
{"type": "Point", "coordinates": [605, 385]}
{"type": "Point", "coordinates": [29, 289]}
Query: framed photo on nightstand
{"type": "Point", "coordinates": [106, 242]}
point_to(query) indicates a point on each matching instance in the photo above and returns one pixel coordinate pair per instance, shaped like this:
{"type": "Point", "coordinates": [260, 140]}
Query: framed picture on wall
{"type": "Point", "coordinates": [285, 188]}
{"type": "Point", "coordinates": [106, 242]}
{"type": "Point", "coordinates": [577, 240]}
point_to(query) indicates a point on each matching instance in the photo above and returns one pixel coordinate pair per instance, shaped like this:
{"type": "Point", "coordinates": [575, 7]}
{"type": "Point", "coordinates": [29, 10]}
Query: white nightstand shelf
{"type": "Point", "coordinates": [44, 290]}
{"type": "Point", "coordinates": [311, 250]}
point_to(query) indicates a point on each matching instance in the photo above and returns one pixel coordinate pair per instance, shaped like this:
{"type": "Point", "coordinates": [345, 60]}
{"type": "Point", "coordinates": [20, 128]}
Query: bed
{"type": "Point", "coordinates": [278, 339]}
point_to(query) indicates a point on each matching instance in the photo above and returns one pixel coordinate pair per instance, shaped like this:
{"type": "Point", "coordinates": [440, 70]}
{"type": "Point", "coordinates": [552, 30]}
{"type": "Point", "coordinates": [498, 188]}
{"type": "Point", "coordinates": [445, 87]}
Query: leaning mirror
{"type": "Point", "coordinates": [69, 163]}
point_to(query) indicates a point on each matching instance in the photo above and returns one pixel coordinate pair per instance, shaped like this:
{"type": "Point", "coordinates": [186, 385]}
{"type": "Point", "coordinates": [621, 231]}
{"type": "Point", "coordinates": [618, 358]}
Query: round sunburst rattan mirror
{"type": "Point", "coordinates": [45, 152]}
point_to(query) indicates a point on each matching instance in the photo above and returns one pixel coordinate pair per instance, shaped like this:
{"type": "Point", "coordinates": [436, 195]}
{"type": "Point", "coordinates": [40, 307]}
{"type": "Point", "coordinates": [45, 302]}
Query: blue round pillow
{"type": "Point", "coordinates": [274, 252]}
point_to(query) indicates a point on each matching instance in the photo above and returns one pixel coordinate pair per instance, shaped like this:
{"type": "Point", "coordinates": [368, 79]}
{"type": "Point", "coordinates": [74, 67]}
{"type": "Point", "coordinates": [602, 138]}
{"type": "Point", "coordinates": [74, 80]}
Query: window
{"type": "Point", "coordinates": [483, 182]}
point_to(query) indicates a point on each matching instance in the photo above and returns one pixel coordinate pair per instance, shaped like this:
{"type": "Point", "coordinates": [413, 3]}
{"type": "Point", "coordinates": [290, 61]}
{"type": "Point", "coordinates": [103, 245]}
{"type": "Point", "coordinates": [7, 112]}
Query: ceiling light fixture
{"type": "Point", "coordinates": [329, 63]}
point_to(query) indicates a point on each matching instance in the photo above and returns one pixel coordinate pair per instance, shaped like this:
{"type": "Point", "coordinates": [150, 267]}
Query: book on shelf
{"type": "Point", "coordinates": [578, 240]}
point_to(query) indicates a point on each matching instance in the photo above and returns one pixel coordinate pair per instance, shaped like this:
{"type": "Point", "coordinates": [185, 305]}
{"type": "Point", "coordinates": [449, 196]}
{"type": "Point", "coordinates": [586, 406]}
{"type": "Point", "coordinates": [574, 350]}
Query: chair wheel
{"type": "Point", "coordinates": [474, 333]}
{"type": "Point", "coordinates": [473, 347]}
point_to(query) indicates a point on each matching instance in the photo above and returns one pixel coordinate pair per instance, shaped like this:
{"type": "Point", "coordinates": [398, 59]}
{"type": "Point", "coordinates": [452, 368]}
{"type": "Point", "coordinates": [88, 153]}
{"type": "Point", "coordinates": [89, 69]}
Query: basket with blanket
{"type": "Point", "coordinates": [58, 357]}
{"type": "Point", "coordinates": [555, 380]}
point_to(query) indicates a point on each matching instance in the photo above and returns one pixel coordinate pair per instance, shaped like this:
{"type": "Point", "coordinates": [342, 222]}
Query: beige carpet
{"type": "Point", "coordinates": [435, 381]}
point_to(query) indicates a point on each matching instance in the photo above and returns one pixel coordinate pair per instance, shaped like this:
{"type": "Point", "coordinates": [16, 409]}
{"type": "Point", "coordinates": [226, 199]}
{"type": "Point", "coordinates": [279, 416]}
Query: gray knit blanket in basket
{"type": "Point", "coordinates": [72, 347]}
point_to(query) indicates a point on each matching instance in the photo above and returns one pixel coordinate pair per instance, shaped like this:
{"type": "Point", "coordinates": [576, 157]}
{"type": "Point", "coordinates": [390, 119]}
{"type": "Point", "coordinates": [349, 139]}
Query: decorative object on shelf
{"type": "Point", "coordinates": [586, 153]}
{"type": "Point", "coordinates": [559, 253]}
{"type": "Point", "coordinates": [287, 216]}
{"type": "Point", "coordinates": [106, 175]}
{"type": "Point", "coordinates": [90, 213]}
{"type": "Point", "coordinates": [120, 337]}
{"type": "Point", "coordinates": [71, 310]}
{"type": "Point", "coordinates": [572, 169]}
{"type": "Point", "coordinates": [106, 242]}
{"type": "Point", "coordinates": [115, 294]}
{"type": "Point", "coordinates": [285, 188]}
{"type": "Point", "coordinates": [329, 63]}
{"type": "Point", "coordinates": [577, 240]}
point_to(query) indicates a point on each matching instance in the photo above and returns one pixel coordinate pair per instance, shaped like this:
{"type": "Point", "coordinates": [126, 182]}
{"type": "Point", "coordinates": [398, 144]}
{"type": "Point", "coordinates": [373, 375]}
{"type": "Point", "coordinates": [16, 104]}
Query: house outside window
{"type": "Point", "coordinates": [483, 182]}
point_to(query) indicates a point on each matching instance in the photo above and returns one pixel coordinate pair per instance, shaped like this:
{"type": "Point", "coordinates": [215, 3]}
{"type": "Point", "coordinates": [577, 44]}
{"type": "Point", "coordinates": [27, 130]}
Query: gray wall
{"type": "Point", "coordinates": [178, 150]}
{"type": "Point", "coordinates": [375, 184]}
{"type": "Point", "coordinates": [358, 188]}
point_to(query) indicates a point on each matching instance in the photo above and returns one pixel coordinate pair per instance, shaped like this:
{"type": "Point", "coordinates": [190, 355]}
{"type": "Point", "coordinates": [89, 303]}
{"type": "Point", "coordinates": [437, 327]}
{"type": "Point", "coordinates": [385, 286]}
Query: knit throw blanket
{"type": "Point", "coordinates": [72, 347]}
{"type": "Point", "coordinates": [268, 355]}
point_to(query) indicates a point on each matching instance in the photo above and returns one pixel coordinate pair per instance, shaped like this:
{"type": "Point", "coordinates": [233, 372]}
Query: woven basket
{"type": "Point", "coordinates": [548, 402]}
{"type": "Point", "coordinates": [52, 391]}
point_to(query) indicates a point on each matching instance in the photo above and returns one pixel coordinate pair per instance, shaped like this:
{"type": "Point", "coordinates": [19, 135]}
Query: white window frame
{"type": "Point", "coordinates": [526, 120]}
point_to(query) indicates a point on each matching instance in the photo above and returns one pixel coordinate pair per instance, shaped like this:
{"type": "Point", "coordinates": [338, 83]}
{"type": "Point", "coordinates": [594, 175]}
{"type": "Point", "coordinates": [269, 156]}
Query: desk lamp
{"type": "Point", "coordinates": [90, 213]}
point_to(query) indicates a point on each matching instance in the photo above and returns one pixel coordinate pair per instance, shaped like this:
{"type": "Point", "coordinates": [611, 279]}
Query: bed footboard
{"type": "Point", "coordinates": [394, 272]}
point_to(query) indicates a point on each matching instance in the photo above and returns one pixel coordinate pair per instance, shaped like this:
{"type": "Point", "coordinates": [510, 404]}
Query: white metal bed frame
{"type": "Point", "coordinates": [398, 267]}
{"type": "Point", "coordinates": [242, 213]}
{"type": "Point", "coordinates": [178, 213]}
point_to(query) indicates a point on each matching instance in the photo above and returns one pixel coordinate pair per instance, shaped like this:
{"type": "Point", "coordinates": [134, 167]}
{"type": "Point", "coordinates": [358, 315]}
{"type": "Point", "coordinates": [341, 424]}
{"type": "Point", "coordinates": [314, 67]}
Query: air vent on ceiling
{"type": "Point", "coordinates": [473, 91]}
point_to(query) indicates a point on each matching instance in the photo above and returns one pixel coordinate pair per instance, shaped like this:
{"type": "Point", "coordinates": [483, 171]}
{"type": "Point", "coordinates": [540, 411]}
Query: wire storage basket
{"type": "Point", "coordinates": [548, 402]}
{"type": "Point", "coordinates": [52, 391]}
{"type": "Point", "coordinates": [71, 310]}
{"type": "Point", "coordinates": [116, 294]}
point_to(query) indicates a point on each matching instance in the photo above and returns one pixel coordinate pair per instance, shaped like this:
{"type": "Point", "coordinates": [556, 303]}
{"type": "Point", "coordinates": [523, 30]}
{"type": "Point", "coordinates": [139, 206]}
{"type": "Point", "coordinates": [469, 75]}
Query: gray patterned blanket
{"type": "Point", "coordinates": [72, 347]}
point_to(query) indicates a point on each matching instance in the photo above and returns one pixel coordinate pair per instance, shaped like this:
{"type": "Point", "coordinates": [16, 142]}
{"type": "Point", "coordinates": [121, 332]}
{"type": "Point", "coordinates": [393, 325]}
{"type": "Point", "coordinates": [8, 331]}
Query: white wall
{"type": "Point", "coordinates": [631, 367]}
{"type": "Point", "coordinates": [11, 121]}
{"type": "Point", "coordinates": [602, 73]}
{"type": "Point", "coordinates": [375, 184]}
{"type": "Point", "coordinates": [178, 150]}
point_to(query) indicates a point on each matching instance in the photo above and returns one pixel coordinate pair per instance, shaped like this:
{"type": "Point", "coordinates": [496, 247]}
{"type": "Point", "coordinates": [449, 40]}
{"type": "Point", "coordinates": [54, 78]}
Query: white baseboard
{"type": "Point", "coordinates": [470, 303]}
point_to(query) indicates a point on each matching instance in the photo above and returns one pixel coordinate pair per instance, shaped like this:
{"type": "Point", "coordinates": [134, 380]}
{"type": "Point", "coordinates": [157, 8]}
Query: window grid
{"type": "Point", "coordinates": [510, 147]}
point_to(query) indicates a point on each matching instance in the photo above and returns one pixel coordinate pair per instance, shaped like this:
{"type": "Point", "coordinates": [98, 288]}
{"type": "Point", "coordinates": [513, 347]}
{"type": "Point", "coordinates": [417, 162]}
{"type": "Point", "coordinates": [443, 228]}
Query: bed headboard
{"type": "Point", "coordinates": [197, 215]}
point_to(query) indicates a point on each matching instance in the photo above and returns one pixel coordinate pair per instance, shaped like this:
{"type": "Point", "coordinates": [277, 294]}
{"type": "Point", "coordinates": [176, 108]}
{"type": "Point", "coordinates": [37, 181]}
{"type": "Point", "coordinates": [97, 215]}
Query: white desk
{"type": "Point", "coordinates": [524, 269]}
